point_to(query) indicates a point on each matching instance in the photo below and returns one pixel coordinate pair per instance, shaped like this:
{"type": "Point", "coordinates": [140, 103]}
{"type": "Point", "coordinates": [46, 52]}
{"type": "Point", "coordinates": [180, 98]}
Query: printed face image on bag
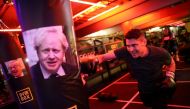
{"type": "Point", "coordinates": [53, 68]}
{"type": "Point", "coordinates": [47, 55]}
{"type": "Point", "coordinates": [15, 68]}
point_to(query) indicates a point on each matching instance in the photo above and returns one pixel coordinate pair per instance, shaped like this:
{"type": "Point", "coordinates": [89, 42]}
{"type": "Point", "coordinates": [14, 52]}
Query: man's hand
{"type": "Point", "coordinates": [87, 59]}
{"type": "Point", "coordinates": [84, 78]}
{"type": "Point", "coordinates": [168, 83]}
{"type": "Point", "coordinates": [168, 87]}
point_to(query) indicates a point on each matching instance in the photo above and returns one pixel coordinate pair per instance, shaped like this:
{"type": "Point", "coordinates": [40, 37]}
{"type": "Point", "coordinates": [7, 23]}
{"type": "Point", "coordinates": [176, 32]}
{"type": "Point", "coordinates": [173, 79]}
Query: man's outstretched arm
{"type": "Point", "coordinates": [98, 58]}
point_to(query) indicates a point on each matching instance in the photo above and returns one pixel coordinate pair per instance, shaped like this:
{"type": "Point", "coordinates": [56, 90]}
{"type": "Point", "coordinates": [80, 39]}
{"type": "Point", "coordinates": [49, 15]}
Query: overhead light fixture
{"type": "Point", "coordinates": [89, 3]}
{"type": "Point", "coordinates": [91, 8]}
{"type": "Point", "coordinates": [103, 12]}
{"type": "Point", "coordinates": [10, 30]}
{"type": "Point", "coordinates": [80, 13]}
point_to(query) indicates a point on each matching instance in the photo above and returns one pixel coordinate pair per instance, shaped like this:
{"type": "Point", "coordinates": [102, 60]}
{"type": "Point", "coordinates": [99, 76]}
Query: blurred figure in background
{"type": "Point", "coordinates": [169, 42]}
{"type": "Point", "coordinates": [184, 44]}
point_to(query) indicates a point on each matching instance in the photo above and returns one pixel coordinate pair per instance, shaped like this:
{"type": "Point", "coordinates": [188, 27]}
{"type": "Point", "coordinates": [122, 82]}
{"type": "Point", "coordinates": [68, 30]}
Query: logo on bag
{"type": "Point", "coordinates": [24, 95]}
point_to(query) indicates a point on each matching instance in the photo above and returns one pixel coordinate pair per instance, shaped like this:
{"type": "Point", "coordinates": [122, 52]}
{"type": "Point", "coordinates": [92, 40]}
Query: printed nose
{"type": "Point", "coordinates": [51, 55]}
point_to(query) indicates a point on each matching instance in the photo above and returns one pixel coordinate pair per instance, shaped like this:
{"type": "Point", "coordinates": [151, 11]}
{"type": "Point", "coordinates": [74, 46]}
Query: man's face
{"type": "Point", "coordinates": [135, 47]}
{"type": "Point", "coordinates": [15, 69]}
{"type": "Point", "coordinates": [165, 31]}
{"type": "Point", "coordinates": [51, 53]}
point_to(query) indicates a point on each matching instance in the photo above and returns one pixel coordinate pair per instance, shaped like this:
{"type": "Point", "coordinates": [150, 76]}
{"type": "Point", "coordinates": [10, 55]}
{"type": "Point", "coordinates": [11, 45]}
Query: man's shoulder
{"type": "Point", "coordinates": [35, 69]}
{"type": "Point", "coordinates": [67, 65]}
{"type": "Point", "coordinates": [122, 52]}
{"type": "Point", "coordinates": [36, 72]}
{"type": "Point", "coordinates": [35, 66]}
{"type": "Point", "coordinates": [122, 49]}
{"type": "Point", "coordinates": [158, 51]}
{"type": "Point", "coordinates": [69, 68]}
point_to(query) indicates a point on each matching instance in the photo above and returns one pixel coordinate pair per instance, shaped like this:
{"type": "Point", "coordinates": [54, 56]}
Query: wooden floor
{"type": "Point", "coordinates": [128, 96]}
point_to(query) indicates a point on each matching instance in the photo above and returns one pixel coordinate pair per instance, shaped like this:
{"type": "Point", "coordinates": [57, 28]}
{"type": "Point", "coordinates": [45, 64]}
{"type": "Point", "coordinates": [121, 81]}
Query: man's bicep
{"type": "Point", "coordinates": [167, 59]}
{"type": "Point", "coordinates": [169, 62]}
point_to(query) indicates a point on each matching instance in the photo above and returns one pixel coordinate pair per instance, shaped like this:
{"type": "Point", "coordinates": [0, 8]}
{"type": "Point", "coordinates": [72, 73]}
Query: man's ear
{"type": "Point", "coordinates": [145, 41]}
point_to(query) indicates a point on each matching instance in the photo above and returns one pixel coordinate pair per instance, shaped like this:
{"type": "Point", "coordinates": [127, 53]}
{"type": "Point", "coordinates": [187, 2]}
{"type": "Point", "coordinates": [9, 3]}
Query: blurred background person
{"type": "Point", "coordinates": [169, 42]}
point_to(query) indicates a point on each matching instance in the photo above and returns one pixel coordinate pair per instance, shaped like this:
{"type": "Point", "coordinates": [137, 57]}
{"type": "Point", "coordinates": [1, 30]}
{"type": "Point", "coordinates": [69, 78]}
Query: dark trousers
{"type": "Point", "coordinates": [157, 99]}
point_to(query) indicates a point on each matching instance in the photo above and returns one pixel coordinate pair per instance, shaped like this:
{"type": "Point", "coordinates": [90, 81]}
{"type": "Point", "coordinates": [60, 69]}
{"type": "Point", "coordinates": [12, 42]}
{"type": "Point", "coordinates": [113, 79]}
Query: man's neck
{"type": "Point", "coordinates": [145, 52]}
{"type": "Point", "coordinates": [46, 74]}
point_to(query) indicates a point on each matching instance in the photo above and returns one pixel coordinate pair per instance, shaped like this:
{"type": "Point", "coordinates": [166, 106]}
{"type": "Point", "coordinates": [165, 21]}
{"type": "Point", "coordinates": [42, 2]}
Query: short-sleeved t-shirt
{"type": "Point", "coordinates": [147, 70]}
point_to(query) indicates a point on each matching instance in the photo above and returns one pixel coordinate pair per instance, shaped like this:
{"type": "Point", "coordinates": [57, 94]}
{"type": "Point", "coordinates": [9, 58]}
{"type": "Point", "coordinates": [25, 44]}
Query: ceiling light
{"type": "Point", "coordinates": [78, 14]}
{"type": "Point", "coordinates": [103, 12]}
{"type": "Point", "coordinates": [88, 10]}
{"type": "Point", "coordinates": [89, 3]}
{"type": "Point", "coordinates": [10, 30]}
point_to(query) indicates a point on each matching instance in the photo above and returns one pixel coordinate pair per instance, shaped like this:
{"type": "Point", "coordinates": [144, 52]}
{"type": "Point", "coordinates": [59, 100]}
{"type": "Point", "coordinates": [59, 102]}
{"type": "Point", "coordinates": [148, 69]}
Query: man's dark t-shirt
{"type": "Point", "coordinates": [147, 70]}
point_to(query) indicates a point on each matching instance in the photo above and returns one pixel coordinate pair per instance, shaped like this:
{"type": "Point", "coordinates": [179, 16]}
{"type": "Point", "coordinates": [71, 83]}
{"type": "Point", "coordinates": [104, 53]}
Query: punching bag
{"type": "Point", "coordinates": [16, 72]}
{"type": "Point", "coordinates": [48, 34]}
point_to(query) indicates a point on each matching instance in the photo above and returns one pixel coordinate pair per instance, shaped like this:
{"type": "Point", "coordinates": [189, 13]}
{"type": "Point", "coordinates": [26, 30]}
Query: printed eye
{"type": "Point", "coordinates": [46, 51]}
{"type": "Point", "coordinates": [56, 50]}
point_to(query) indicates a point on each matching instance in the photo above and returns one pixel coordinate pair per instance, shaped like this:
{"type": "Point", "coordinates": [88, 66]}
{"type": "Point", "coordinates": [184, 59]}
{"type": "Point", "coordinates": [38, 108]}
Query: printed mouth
{"type": "Point", "coordinates": [14, 73]}
{"type": "Point", "coordinates": [51, 63]}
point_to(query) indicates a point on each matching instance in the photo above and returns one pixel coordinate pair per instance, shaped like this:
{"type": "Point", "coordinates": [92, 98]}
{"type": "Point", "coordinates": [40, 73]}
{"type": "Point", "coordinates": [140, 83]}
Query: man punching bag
{"type": "Point", "coordinates": [14, 68]}
{"type": "Point", "coordinates": [50, 45]}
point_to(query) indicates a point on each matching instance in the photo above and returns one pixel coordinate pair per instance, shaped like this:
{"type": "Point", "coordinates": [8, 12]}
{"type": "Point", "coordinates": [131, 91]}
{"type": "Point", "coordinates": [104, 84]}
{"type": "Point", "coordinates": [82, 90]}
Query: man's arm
{"type": "Point", "coordinates": [98, 58]}
{"type": "Point", "coordinates": [105, 57]}
{"type": "Point", "coordinates": [169, 81]}
{"type": "Point", "coordinates": [170, 69]}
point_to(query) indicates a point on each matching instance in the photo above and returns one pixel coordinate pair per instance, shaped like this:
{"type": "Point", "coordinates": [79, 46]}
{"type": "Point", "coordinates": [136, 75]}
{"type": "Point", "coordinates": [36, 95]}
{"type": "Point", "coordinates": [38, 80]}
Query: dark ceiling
{"type": "Point", "coordinates": [130, 14]}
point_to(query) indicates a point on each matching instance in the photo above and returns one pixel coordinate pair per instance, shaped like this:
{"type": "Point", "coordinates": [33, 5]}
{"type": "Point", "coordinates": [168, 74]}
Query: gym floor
{"type": "Point", "coordinates": [125, 88]}
{"type": "Point", "coordinates": [128, 96]}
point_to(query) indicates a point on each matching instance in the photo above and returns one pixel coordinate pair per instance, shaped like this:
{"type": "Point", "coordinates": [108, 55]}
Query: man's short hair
{"type": "Point", "coordinates": [134, 34]}
{"type": "Point", "coordinates": [42, 33]}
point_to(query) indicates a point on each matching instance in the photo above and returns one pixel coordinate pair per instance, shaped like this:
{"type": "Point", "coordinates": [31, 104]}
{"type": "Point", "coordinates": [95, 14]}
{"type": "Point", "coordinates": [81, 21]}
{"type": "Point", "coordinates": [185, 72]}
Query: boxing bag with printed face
{"type": "Point", "coordinates": [48, 34]}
